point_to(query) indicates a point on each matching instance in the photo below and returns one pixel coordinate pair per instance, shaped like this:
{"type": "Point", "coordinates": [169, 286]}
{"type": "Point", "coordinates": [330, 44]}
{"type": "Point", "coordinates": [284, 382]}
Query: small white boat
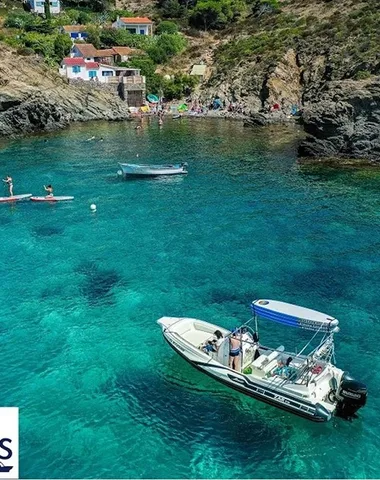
{"type": "Point", "coordinates": [307, 384]}
{"type": "Point", "coordinates": [128, 169]}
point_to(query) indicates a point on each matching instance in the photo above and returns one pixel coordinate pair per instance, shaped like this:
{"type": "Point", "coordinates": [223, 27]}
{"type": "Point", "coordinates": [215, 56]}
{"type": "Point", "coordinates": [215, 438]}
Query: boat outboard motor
{"type": "Point", "coordinates": [351, 395]}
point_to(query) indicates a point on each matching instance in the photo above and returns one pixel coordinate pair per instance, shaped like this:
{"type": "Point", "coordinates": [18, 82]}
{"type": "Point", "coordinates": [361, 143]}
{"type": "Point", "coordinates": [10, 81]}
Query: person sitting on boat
{"type": "Point", "coordinates": [214, 344]}
{"type": "Point", "coordinates": [234, 351]}
{"type": "Point", "coordinates": [280, 369]}
{"type": "Point", "coordinates": [218, 339]}
{"type": "Point", "coordinates": [9, 181]}
{"type": "Point", "coordinates": [283, 369]}
{"type": "Point", "coordinates": [49, 189]}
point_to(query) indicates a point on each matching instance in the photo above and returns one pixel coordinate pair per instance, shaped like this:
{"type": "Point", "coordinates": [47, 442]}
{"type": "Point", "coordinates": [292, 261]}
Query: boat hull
{"type": "Point", "coordinates": [129, 169]}
{"type": "Point", "coordinates": [316, 413]}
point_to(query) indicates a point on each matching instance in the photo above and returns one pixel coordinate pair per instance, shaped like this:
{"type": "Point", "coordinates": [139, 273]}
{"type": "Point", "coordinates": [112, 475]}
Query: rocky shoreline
{"type": "Point", "coordinates": [345, 122]}
{"type": "Point", "coordinates": [342, 119]}
{"type": "Point", "coordinates": [33, 98]}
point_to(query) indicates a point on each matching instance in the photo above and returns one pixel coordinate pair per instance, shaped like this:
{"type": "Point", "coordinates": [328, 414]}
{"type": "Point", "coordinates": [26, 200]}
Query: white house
{"type": "Point", "coordinates": [76, 32]}
{"type": "Point", "coordinates": [79, 69]}
{"type": "Point", "coordinates": [138, 25]}
{"type": "Point", "coordinates": [38, 6]}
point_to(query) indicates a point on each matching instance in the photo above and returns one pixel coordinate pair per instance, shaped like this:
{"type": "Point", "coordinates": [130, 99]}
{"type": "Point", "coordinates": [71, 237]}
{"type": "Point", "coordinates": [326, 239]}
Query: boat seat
{"type": "Point", "coordinates": [263, 360]}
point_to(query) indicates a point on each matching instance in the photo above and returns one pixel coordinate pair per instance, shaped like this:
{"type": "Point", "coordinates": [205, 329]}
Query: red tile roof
{"type": "Point", "coordinates": [86, 49]}
{"type": "Point", "coordinates": [74, 61]}
{"type": "Point", "coordinates": [136, 20]}
{"type": "Point", "coordinates": [126, 51]}
{"type": "Point", "coordinates": [105, 53]}
{"type": "Point", "coordinates": [92, 65]}
{"type": "Point", "coordinates": [74, 28]}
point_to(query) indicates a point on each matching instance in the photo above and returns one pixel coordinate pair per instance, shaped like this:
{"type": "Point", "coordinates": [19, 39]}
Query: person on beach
{"type": "Point", "coordinates": [9, 181]}
{"type": "Point", "coordinates": [49, 189]}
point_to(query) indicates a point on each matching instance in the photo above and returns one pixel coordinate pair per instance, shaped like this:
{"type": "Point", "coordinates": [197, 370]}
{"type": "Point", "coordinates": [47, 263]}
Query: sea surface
{"type": "Point", "coordinates": [101, 394]}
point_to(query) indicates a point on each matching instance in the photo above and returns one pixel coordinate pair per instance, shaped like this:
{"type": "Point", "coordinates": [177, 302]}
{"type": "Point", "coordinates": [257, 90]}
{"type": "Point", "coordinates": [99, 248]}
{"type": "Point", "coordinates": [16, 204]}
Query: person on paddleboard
{"type": "Point", "coordinates": [49, 189]}
{"type": "Point", "coordinates": [9, 181]}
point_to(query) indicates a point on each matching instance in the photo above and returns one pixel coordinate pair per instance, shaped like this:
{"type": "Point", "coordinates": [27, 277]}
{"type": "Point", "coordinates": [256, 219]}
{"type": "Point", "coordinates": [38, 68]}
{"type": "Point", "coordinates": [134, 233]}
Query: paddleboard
{"type": "Point", "coordinates": [15, 198]}
{"type": "Point", "coordinates": [50, 199]}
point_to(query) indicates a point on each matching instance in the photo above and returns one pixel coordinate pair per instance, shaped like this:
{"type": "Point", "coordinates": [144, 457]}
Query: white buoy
{"type": "Point", "coordinates": [93, 207]}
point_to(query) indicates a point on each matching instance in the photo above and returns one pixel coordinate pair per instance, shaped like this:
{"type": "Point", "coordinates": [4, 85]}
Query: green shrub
{"type": "Point", "coordinates": [40, 26]}
{"type": "Point", "coordinates": [112, 36]}
{"type": "Point", "coordinates": [84, 18]}
{"type": "Point", "coordinates": [178, 86]}
{"type": "Point", "coordinates": [25, 51]}
{"type": "Point", "coordinates": [144, 63]}
{"type": "Point", "coordinates": [112, 16]}
{"type": "Point", "coordinates": [171, 43]}
{"type": "Point", "coordinates": [166, 27]}
{"type": "Point", "coordinates": [216, 14]}
{"type": "Point", "coordinates": [157, 54]}
{"type": "Point", "coordinates": [362, 75]}
{"type": "Point", "coordinates": [40, 43]}
{"type": "Point", "coordinates": [62, 46]}
{"type": "Point", "coordinates": [93, 36]}
{"type": "Point", "coordinates": [17, 20]}
{"type": "Point", "coordinates": [171, 8]}
{"type": "Point", "coordinates": [13, 41]}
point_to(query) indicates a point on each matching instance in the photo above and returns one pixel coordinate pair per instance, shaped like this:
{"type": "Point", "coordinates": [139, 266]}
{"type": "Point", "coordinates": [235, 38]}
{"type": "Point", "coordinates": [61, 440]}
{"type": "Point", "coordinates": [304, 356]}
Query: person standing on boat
{"type": "Point", "coordinates": [9, 181]}
{"type": "Point", "coordinates": [49, 189]}
{"type": "Point", "coordinates": [234, 351]}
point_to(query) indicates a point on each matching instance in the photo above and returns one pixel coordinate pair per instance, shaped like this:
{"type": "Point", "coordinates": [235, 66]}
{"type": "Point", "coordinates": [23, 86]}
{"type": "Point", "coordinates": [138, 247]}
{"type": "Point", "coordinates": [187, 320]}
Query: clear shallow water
{"type": "Point", "coordinates": [100, 393]}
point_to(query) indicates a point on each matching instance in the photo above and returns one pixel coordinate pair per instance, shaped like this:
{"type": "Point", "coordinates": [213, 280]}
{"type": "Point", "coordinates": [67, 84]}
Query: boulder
{"type": "Point", "coordinates": [344, 122]}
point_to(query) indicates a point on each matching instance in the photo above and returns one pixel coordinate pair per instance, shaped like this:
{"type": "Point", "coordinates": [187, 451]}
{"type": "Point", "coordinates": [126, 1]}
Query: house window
{"type": "Point", "coordinates": [107, 73]}
{"type": "Point", "coordinates": [89, 59]}
{"type": "Point", "coordinates": [76, 69]}
{"type": "Point", "coordinates": [131, 30]}
{"type": "Point", "coordinates": [142, 32]}
{"type": "Point", "coordinates": [74, 35]}
{"type": "Point", "coordinates": [54, 4]}
{"type": "Point", "coordinates": [92, 73]}
{"type": "Point", "coordinates": [39, 4]}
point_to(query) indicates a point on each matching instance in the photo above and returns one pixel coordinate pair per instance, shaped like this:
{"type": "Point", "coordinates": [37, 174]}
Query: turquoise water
{"type": "Point", "coordinates": [101, 395]}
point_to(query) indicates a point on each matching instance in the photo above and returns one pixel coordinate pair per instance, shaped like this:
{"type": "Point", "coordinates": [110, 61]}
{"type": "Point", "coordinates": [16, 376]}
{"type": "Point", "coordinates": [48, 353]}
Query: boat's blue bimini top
{"type": "Point", "coordinates": [294, 316]}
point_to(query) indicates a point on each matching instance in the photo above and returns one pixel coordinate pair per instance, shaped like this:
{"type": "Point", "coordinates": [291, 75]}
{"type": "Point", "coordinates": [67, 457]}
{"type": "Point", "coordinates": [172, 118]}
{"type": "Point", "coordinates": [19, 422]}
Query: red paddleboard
{"type": "Point", "coordinates": [15, 198]}
{"type": "Point", "coordinates": [50, 199]}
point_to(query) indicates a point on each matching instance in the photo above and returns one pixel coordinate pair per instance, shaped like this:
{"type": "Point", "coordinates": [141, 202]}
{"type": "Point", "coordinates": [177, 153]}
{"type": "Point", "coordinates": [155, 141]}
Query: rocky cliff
{"type": "Point", "coordinates": [34, 98]}
{"type": "Point", "coordinates": [345, 121]}
{"type": "Point", "coordinates": [320, 55]}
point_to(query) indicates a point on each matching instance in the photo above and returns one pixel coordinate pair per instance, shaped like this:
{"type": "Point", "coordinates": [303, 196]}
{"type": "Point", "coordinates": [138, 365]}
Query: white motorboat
{"type": "Point", "coordinates": [307, 384]}
{"type": "Point", "coordinates": [129, 169]}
